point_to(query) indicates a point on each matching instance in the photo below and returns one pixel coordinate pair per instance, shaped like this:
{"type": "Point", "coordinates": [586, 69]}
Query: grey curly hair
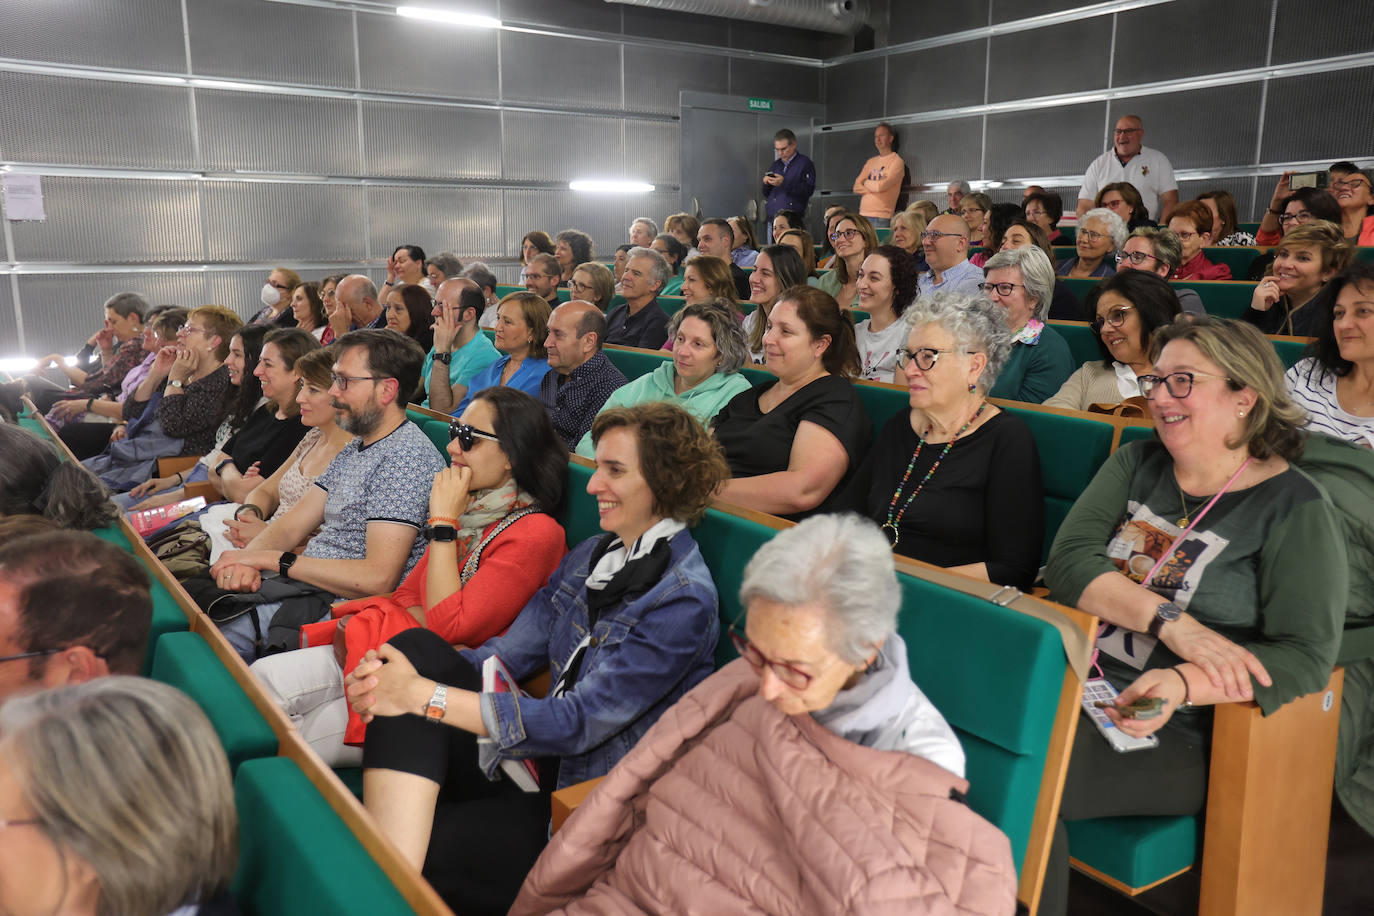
{"type": "Point", "coordinates": [976, 324]}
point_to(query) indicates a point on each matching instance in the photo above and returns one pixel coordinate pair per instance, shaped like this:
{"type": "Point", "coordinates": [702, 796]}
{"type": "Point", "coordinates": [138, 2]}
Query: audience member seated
{"type": "Point", "coordinates": [154, 832]}
{"type": "Point", "coordinates": [999, 219]}
{"type": "Point", "coordinates": [746, 242]}
{"type": "Point", "coordinates": [622, 257]}
{"type": "Point", "coordinates": [974, 209]}
{"type": "Point", "coordinates": [1100, 234]}
{"type": "Point", "coordinates": [642, 232]}
{"type": "Point", "coordinates": [794, 443]}
{"type": "Point", "coordinates": [594, 283]}
{"type": "Point", "coordinates": [335, 314]}
{"type": "Point", "coordinates": [945, 243]}
{"type": "Point", "coordinates": [1285, 302]}
{"type": "Point", "coordinates": [572, 247]}
{"type": "Point", "coordinates": [178, 407]}
{"type": "Point", "coordinates": [368, 507]}
{"type": "Point", "coordinates": [410, 311]}
{"type": "Point", "coordinates": [543, 276]}
{"type": "Point", "coordinates": [854, 239]}
{"type": "Point", "coordinates": [708, 351]}
{"type": "Point", "coordinates": [880, 180]}
{"type": "Point", "coordinates": [49, 620]}
{"type": "Point", "coordinates": [265, 419]}
{"type": "Point", "coordinates": [1226, 231]}
{"type": "Point", "coordinates": [977, 509]}
{"type": "Point", "coordinates": [1192, 223]}
{"type": "Point", "coordinates": [534, 243]}
{"type": "Point", "coordinates": [887, 287]}
{"type": "Point", "coordinates": [675, 253]}
{"type": "Point", "coordinates": [822, 702]}
{"type": "Point", "coordinates": [626, 626]}
{"type": "Point", "coordinates": [1022, 233]}
{"type": "Point", "coordinates": [707, 278]}
{"type": "Point", "coordinates": [1128, 308]}
{"type": "Point", "coordinates": [778, 269]}
{"type": "Point", "coordinates": [1045, 210]}
{"type": "Point", "coordinates": [638, 321]}
{"type": "Point", "coordinates": [1218, 568]}
{"type": "Point", "coordinates": [405, 267]}
{"type": "Point", "coordinates": [954, 192]}
{"type": "Point", "coordinates": [276, 305]}
{"type": "Point", "coordinates": [1353, 194]}
{"type": "Point", "coordinates": [1289, 209]}
{"type": "Point", "coordinates": [442, 266]}
{"type": "Point", "coordinates": [119, 345]}
{"type": "Point", "coordinates": [801, 241]}
{"type": "Point", "coordinates": [1335, 385]}
{"type": "Point", "coordinates": [907, 227]}
{"type": "Point", "coordinates": [1158, 251]}
{"type": "Point", "coordinates": [1021, 281]}
{"type": "Point", "coordinates": [478, 272]}
{"type": "Point", "coordinates": [1123, 199]}
{"type": "Point", "coordinates": [784, 220]}
{"type": "Point", "coordinates": [236, 524]}
{"type": "Point", "coordinates": [924, 208]}
{"type": "Point", "coordinates": [826, 259]}
{"type": "Point", "coordinates": [683, 227]}
{"type": "Point", "coordinates": [307, 308]}
{"type": "Point", "coordinates": [34, 480]}
{"type": "Point", "coordinates": [492, 544]}
{"type": "Point", "coordinates": [461, 351]}
{"type": "Point", "coordinates": [715, 239]}
{"type": "Point", "coordinates": [99, 418]}
{"type": "Point", "coordinates": [362, 310]}
{"type": "Point", "coordinates": [582, 377]}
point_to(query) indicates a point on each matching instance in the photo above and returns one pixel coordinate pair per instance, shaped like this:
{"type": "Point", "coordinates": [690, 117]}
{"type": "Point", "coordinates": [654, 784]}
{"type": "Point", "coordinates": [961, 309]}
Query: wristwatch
{"type": "Point", "coordinates": [439, 533]}
{"type": "Point", "coordinates": [445, 358]}
{"type": "Point", "coordinates": [434, 709]}
{"type": "Point", "coordinates": [176, 382]}
{"type": "Point", "coordinates": [1165, 613]}
{"type": "Point", "coordinates": [284, 564]}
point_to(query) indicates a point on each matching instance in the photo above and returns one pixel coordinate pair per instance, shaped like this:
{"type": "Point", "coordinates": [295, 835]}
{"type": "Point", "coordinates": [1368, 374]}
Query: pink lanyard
{"type": "Point", "coordinates": [1145, 583]}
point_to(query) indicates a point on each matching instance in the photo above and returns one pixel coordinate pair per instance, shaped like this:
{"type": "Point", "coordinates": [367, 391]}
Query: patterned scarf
{"type": "Point", "coordinates": [1030, 334]}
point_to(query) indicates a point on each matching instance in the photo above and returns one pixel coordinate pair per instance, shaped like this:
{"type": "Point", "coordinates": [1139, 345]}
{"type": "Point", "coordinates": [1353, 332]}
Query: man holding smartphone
{"type": "Point", "coordinates": [790, 180]}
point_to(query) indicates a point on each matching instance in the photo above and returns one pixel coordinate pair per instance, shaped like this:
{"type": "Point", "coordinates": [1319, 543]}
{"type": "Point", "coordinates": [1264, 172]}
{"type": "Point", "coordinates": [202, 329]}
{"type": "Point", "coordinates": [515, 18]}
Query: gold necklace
{"type": "Point", "coordinates": [1187, 513]}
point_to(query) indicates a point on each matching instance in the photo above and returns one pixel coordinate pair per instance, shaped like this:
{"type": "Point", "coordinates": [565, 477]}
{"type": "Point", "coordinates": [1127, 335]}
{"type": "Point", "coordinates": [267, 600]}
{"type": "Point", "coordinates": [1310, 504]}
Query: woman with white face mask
{"type": "Point", "coordinates": [276, 299]}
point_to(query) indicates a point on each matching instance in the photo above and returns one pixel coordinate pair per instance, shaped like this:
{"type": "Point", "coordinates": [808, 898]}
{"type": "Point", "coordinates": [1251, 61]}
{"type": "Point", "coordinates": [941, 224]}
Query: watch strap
{"type": "Point", "coordinates": [438, 703]}
{"type": "Point", "coordinates": [1167, 612]}
{"type": "Point", "coordinates": [285, 563]}
{"type": "Point", "coordinates": [439, 533]}
{"type": "Point", "coordinates": [445, 358]}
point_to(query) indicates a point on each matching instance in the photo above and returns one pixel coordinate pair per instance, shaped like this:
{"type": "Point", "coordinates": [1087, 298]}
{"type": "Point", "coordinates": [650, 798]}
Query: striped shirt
{"type": "Point", "coordinates": [1315, 391]}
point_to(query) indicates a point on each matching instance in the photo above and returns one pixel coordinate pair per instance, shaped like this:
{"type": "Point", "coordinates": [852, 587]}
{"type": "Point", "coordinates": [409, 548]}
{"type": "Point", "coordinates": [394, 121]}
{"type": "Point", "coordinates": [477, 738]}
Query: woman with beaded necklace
{"type": "Point", "coordinates": [954, 481]}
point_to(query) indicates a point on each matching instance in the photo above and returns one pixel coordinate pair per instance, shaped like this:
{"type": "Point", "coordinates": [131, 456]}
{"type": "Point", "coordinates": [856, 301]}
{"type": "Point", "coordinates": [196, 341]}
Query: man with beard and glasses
{"type": "Point", "coordinates": [366, 510]}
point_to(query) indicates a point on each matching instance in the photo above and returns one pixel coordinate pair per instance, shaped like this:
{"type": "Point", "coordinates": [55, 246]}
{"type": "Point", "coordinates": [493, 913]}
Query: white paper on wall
{"type": "Point", "coordinates": [23, 197]}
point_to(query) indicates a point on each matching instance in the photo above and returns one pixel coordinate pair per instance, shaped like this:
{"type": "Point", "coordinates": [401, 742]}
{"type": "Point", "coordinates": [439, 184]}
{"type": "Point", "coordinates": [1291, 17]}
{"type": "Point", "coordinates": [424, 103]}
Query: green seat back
{"type": "Point", "coordinates": [436, 430]}
{"type": "Point", "coordinates": [1237, 258]}
{"type": "Point", "coordinates": [1365, 253]}
{"type": "Point", "coordinates": [636, 363]}
{"type": "Point", "coordinates": [296, 855]}
{"type": "Point", "coordinates": [1131, 434]}
{"type": "Point", "coordinates": [186, 661]}
{"type": "Point", "coordinates": [1137, 851]}
{"type": "Point", "coordinates": [882, 402]}
{"type": "Point", "coordinates": [1252, 228]}
{"type": "Point", "coordinates": [1068, 234]}
{"type": "Point", "coordinates": [883, 235]}
{"type": "Point", "coordinates": [671, 305]}
{"type": "Point", "coordinates": [1222, 298]}
{"type": "Point", "coordinates": [168, 617]}
{"type": "Point", "coordinates": [579, 517]}
{"type": "Point", "coordinates": [1081, 340]}
{"type": "Point", "coordinates": [1290, 351]}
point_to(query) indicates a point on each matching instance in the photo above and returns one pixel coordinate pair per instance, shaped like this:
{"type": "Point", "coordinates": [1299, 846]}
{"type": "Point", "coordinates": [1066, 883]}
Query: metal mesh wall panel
{"type": "Point", "coordinates": [145, 34]}
{"type": "Point", "coordinates": [1301, 120]}
{"type": "Point", "coordinates": [113, 220]}
{"type": "Point", "coordinates": [10, 345]}
{"type": "Point", "coordinates": [1054, 141]}
{"type": "Point", "coordinates": [436, 219]}
{"type": "Point", "coordinates": [591, 15]}
{"type": "Point", "coordinates": [258, 132]}
{"type": "Point", "coordinates": [651, 151]}
{"type": "Point", "coordinates": [1242, 189]}
{"type": "Point", "coordinates": [765, 36]}
{"type": "Point", "coordinates": [271, 41]}
{"type": "Point", "coordinates": [1205, 127]}
{"type": "Point", "coordinates": [671, 25]}
{"type": "Point", "coordinates": [53, 119]}
{"type": "Point", "coordinates": [780, 81]}
{"type": "Point", "coordinates": [62, 310]}
{"type": "Point", "coordinates": [561, 147]}
{"type": "Point", "coordinates": [431, 141]}
{"type": "Point", "coordinates": [1189, 38]}
{"type": "Point", "coordinates": [942, 151]}
{"type": "Point", "coordinates": [936, 78]}
{"type": "Point", "coordinates": [1307, 29]}
{"type": "Point", "coordinates": [653, 77]}
{"type": "Point", "coordinates": [1060, 58]}
{"type": "Point", "coordinates": [412, 56]}
{"type": "Point", "coordinates": [909, 21]}
{"type": "Point", "coordinates": [270, 221]}
{"type": "Point", "coordinates": [853, 91]}
{"type": "Point", "coordinates": [1011, 10]}
{"type": "Point", "coordinates": [537, 68]}
{"type": "Point", "coordinates": [840, 154]}
{"type": "Point", "coordinates": [600, 216]}
{"type": "Point", "coordinates": [240, 289]}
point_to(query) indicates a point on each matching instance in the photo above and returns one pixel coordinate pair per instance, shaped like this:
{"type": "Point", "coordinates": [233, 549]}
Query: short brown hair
{"type": "Point", "coordinates": [1195, 211]}
{"type": "Point", "coordinates": [681, 462]}
{"type": "Point", "coordinates": [688, 223]}
{"type": "Point", "coordinates": [1248, 360]}
{"type": "Point", "coordinates": [823, 317]}
{"type": "Point", "coordinates": [223, 322]}
{"type": "Point", "coordinates": [1326, 236]}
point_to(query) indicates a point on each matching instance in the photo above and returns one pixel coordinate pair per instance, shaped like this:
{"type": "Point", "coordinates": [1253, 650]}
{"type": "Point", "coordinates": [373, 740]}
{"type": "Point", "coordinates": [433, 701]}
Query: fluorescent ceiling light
{"type": "Point", "coordinates": [448, 17]}
{"type": "Point", "coordinates": [601, 186]}
{"type": "Point", "coordinates": [18, 364]}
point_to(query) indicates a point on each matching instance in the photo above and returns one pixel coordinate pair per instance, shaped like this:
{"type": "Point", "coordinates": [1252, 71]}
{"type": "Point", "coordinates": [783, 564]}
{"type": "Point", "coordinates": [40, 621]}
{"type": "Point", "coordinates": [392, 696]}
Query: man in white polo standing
{"type": "Point", "coordinates": [1131, 160]}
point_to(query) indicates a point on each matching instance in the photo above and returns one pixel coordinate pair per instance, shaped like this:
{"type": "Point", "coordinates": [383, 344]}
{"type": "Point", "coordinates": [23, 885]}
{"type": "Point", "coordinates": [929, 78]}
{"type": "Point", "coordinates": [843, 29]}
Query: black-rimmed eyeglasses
{"type": "Point", "coordinates": [1178, 384]}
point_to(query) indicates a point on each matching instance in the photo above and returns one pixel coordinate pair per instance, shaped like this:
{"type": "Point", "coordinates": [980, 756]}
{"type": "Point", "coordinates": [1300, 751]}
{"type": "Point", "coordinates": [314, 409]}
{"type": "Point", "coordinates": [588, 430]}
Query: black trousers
{"type": "Point", "coordinates": [86, 440]}
{"type": "Point", "coordinates": [487, 835]}
{"type": "Point", "coordinates": [1170, 779]}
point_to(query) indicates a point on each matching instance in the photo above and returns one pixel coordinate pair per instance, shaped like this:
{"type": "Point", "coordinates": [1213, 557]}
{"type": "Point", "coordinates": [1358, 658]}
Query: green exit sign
{"type": "Point", "coordinates": [760, 104]}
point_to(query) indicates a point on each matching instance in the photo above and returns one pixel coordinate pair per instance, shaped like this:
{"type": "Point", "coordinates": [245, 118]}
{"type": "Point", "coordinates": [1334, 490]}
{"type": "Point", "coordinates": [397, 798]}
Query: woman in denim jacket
{"type": "Point", "coordinates": [627, 624]}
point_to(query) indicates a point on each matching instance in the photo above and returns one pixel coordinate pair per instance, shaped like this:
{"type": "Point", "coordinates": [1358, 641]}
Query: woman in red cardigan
{"type": "Point", "coordinates": [493, 544]}
{"type": "Point", "coordinates": [1192, 223]}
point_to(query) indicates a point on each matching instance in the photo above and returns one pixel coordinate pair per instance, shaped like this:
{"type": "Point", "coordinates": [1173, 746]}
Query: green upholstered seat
{"type": "Point", "coordinates": [636, 363]}
{"type": "Point", "coordinates": [1222, 298]}
{"type": "Point", "coordinates": [168, 616]}
{"type": "Point", "coordinates": [1237, 258]}
{"type": "Point", "coordinates": [296, 855]}
{"type": "Point", "coordinates": [185, 661]}
{"type": "Point", "coordinates": [1131, 434]}
{"type": "Point", "coordinates": [435, 429]}
{"type": "Point", "coordinates": [882, 402]}
{"type": "Point", "coordinates": [1365, 253]}
{"type": "Point", "coordinates": [883, 235]}
{"type": "Point", "coordinates": [1290, 351]}
{"type": "Point", "coordinates": [1081, 340]}
{"type": "Point", "coordinates": [1136, 851]}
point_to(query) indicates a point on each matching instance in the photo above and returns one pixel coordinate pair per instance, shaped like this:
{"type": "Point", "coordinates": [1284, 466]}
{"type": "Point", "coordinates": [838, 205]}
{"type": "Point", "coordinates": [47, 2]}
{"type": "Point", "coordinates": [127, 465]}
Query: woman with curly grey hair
{"type": "Point", "coordinates": [954, 481]}
{"type": "Point", "coordinates": [1021, 281]}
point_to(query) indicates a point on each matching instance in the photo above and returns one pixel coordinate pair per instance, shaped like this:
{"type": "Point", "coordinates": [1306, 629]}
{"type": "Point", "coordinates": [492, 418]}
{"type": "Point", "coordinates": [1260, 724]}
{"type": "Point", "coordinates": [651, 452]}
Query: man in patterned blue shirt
{"type": "Point", "coordinates": [582, 377]}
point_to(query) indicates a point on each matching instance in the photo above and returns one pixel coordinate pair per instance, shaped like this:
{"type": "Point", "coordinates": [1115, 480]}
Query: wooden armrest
{"type": "Point", "coordinates": [166, 467]}
{"type": "Point", "coordinates": [201, 488]}
{"type": "Point", "coordinates": [1269, 805]}
{"type": "Point", "coordinates": [565, 801]}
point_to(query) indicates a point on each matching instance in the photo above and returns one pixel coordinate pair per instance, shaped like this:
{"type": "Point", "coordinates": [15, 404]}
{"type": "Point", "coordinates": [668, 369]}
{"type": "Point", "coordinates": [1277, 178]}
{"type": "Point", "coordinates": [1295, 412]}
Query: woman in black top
{"type": "Point", "coordinates": [954, 481]}
{"type": "Point", "coordinates": [793, 443]}
{"type": "Point", "coordinates": [1288, 300]}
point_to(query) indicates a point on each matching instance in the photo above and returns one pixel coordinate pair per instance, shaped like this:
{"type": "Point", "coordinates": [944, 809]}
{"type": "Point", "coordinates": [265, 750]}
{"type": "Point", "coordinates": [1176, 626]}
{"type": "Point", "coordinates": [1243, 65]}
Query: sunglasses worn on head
{"type": "Point", "coordinates": [467, 436]}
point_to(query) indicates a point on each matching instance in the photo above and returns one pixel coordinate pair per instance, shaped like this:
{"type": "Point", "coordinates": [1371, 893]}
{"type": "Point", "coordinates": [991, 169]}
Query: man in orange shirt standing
{"type": "Point", "coordinates": [880, 180]}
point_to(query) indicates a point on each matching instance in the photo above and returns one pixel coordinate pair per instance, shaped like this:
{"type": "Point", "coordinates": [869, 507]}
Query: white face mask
{"type": "Point", "coordinates": [270, 295]}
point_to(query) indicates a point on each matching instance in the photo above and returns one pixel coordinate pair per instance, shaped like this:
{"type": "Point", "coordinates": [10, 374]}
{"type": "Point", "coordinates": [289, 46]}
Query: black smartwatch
{"type": "Point", "coordinates": [285, 563]}
{"type": "Point", "coordinates": [1165, 613]}
{"type": "Point", "coordinates": [439, 533]}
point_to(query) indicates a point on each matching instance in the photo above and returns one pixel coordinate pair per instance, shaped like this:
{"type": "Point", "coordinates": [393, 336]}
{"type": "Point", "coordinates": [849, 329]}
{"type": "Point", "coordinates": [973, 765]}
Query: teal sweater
{"type": "Point", "coordinates": [1036, 371]}
{"type": "Point", "coordinates": [703, 402]}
